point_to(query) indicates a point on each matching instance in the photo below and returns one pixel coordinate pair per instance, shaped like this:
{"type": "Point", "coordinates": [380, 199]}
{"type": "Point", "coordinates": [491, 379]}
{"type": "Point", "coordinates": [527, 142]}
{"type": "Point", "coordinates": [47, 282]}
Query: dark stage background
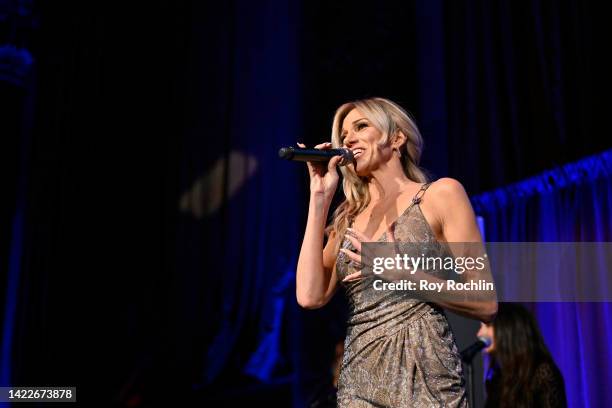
{"type": "Point", "coordinates": [149, 231]}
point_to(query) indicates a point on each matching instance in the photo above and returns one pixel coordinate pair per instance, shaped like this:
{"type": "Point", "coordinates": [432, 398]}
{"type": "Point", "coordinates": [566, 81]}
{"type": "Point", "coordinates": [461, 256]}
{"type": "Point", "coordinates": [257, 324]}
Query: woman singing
{"type": "Point", "coordinates": [399, 351]}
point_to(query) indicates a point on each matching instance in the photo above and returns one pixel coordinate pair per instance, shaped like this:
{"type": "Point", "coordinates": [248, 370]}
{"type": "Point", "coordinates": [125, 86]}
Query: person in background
{"type": "Point", "coordinates": [521, 371]}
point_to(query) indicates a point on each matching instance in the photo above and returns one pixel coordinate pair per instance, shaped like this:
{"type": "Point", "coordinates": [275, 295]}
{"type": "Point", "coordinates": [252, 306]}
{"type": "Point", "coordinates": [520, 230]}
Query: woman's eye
{"type": "Point", "coordinates": [361, 126]}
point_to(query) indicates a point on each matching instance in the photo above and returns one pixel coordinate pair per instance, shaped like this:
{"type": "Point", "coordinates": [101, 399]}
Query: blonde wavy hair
{"type": "Point", "coordinates": [389, 118]}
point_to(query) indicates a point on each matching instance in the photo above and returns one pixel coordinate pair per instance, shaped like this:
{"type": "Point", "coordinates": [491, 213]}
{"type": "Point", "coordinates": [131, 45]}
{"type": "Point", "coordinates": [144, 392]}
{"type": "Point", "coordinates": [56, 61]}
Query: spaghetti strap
{"type": "Point", "coordinates": [419, 195]}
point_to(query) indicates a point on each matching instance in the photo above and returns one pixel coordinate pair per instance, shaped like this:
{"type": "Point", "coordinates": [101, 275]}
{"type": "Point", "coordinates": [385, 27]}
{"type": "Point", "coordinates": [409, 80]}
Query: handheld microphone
{"type": "Point", "coordinates": [469, 353]}
{"type": "Point", "coordinates": [299, 154]}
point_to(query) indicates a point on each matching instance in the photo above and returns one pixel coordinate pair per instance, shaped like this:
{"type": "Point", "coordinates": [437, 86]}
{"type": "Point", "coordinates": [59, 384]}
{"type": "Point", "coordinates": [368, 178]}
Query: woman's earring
{"type": "Point", "coordinates": [399, 154]}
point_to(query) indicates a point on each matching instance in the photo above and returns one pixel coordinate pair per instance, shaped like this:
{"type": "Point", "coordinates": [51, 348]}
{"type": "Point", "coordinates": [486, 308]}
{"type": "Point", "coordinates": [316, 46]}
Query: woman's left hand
{"type": "Point", "coordinates": [356, 238]}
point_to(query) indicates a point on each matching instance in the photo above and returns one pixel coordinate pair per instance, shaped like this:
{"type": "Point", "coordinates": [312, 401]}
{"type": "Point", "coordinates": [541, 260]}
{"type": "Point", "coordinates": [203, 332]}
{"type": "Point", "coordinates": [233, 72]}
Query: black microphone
{"type": "Point", "coordinates": [469, 353]}
{"type": "Point", "coordinates": [299, 154]}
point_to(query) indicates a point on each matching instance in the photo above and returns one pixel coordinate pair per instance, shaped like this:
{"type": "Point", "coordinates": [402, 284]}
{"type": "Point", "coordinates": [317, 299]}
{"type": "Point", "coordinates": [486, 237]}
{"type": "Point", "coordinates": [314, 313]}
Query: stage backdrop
{"type": "Point", "coordinates": [152, 232]}
{"type": "Point", "coordinates": [568, 204]}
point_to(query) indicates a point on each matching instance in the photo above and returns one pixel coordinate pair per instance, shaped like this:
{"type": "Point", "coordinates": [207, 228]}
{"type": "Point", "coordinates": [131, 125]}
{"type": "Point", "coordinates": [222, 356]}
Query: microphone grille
{"type": "Point", "coordinates": [285, 153]}
{"type": "Point", "coordinates": [347, 156]}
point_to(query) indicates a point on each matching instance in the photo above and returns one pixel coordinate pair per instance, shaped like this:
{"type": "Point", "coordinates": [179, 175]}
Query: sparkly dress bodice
{"type": "Point", "coordinates": [399, 351]}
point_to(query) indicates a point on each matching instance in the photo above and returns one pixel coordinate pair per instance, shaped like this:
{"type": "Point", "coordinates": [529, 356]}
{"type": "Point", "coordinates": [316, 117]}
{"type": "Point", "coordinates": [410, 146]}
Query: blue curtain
{"type": "Point", "coordinates": [568, 204]}
{"type": "Point", "coordinates": [246, 269]}
{"type": "Point", "coordinates": [197, 218]}
{"type": "Point", "coordinates": [183, 121]}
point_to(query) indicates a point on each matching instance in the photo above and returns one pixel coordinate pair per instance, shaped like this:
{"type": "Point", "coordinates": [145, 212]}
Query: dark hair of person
{"type": "Point", "coordinates": [519, 352]}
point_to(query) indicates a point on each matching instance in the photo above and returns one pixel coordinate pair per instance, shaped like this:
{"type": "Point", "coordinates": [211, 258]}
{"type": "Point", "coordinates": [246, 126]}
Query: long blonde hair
{"type": "Point", "coordinates": [389, 118]}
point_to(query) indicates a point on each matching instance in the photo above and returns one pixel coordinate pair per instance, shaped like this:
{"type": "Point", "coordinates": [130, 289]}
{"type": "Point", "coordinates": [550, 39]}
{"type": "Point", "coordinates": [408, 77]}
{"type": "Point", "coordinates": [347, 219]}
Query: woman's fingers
{"type": "Point", "coordinates": [351, 255]}
{"type": "Point", "coordinates": [357, 238]}
{"type": "Point", "coordinates": [308, 164]}
{"type": "Point", "coordinates": [356, 243]}
{"type": "Point", "coordinates": [333, 162]}
{"type": "Point", "coordinates": [326, 145]}
{"type": "Point", "coordinates": [352, 277]}
{"type": "Point", "coordinates": [320, 167]}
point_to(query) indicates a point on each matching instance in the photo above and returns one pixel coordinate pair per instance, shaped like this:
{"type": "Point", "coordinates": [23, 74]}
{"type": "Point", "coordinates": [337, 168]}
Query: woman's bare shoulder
{"type": "Point", "coordinates": [447, 188]}
{"type": "Point", "coordinates": [445, 196]}
{"type": "Point", "coordinates": [452, 208]}
{"type": "Point", "coordinates": [447, 191]}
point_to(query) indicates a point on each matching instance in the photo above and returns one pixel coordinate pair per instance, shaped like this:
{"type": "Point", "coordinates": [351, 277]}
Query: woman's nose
{"type": "Point", "coordinates": [350, 139]}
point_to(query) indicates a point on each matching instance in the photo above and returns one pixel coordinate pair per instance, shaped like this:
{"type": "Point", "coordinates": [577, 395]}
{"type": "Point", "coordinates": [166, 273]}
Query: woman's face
{"type": "Point", "coordinates": [486, 330]}
{"type": "Point", "coordinates": [360, 135]}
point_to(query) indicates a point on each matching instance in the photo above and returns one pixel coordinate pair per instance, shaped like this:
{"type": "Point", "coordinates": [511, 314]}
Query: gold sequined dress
{"type": "Point", "coordinates": [399, 352]}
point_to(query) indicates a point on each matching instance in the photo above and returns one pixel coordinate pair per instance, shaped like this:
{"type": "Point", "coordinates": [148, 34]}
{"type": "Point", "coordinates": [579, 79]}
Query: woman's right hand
{"type": "Point", "coordinates": [323, 176]}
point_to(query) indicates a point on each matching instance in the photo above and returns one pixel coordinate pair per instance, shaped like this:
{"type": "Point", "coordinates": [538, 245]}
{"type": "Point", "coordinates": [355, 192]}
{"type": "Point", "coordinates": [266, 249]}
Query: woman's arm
{"type": "Point", "coordinates": [316, 280]}
{"type": "Point", "coordinates": [316, 275]}
{"type": "Point", "coordinates": [458, 224]}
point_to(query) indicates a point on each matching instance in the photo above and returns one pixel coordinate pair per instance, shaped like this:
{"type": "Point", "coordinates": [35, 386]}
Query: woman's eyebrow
{"type": "Point", "coordinates": [355, 121]}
